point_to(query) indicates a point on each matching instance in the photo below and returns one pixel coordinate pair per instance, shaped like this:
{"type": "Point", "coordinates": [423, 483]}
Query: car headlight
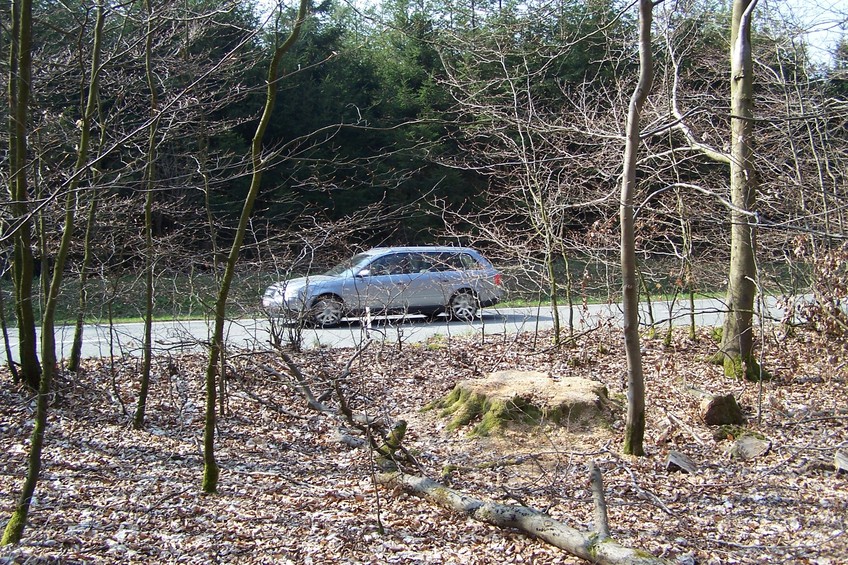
{"type": "Point", "coordinates": [272, 292]}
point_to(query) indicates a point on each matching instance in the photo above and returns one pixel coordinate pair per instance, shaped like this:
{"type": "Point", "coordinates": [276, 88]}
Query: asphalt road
{"type": "Point", "coordinates": [187, 336]}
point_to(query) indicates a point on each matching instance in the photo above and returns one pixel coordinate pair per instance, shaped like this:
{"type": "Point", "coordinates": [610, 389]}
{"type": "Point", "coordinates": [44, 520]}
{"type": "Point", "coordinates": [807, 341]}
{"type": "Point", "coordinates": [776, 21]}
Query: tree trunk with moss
{"type": "Point", "coordinates": [19, 80]}
{"type": "Point", "coordinates": [15, 526]}
{"type": "Point", "coordinates": [737, 340]}
{"type": "Point", "coordinates": [635, 424]}
{"type": "Point", "coordinates": [211, 470]}
{"type": "Point", "coordinates": [23, 263]}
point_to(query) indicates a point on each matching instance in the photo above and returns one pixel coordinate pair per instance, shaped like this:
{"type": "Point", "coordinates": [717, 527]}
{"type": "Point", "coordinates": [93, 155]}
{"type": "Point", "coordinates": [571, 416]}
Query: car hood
{"type": "Point", "coordinates": [292, 286]}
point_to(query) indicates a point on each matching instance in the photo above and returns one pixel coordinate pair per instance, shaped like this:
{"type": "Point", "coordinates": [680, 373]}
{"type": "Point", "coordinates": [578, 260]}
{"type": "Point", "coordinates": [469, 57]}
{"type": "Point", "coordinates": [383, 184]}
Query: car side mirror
{"type": "Point", "coordinates": [364, 273]}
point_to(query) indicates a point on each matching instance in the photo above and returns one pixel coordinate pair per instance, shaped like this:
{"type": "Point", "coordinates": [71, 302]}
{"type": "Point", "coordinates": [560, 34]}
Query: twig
{"type": "Point", "coordinates": [647, 495]}
{"type": "Point", "coordinates": [274, 407]}
{"type": "Point", "coordinates": [165, 498]}
{"type": "Point", "coordinates": [685, 426]}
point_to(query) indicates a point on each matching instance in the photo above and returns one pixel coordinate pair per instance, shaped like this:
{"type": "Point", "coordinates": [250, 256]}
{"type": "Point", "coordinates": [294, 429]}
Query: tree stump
{"type": "Point", "coordinates": [528, 397]}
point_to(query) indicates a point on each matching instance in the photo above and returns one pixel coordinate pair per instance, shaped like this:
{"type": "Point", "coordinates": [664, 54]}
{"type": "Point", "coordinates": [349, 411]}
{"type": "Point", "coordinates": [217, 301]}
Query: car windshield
{"type": "Point", "coordinates": [348, 264]}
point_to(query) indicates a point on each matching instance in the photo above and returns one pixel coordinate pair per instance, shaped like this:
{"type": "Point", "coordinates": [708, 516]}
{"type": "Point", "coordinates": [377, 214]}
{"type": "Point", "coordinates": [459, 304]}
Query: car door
{"type": "Point", "coordinates": [384, 281]}
{"type": "Point", "coordinates": [424, 291]}
{"type": "Point", "coordinates": [448, 276]}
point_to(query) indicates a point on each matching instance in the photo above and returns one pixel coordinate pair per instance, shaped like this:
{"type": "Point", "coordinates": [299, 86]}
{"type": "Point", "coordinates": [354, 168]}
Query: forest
{"type": "Point", "coordinates": [169, 159]}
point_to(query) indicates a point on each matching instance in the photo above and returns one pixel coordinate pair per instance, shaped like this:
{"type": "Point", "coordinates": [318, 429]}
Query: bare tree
{"type": "Point", "coordinates": [23, 264]}
{"type": "Point", "coordinates": [211, 470]}
{"type": "Point", "coordinates": [15, 527]}
{"type": "Point", "coordinates": [635, 424]}
{"type": "Point", "coordinates": [549, 149]}
{"type": "Point", "coordinates": [737, 337]}
{"type": "Point", "coordinates": [149, 181]}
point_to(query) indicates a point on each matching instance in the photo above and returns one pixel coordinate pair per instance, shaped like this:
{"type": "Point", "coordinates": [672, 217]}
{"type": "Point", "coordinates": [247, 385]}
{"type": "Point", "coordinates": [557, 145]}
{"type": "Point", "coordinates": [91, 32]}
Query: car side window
{"type": "Point", "coordinates": [421, 263]}
{"type": "Point", "coordinates": [396, 264]}
{"type": "Point", "coordinates": [469, 263]}
{"type": "Point", "coordinates": [443, 262]}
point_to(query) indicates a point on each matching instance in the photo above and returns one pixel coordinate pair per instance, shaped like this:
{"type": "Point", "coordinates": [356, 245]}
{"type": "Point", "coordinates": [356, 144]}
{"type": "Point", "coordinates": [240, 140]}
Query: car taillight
{"type": "Point", "coordinates": [498, 279]}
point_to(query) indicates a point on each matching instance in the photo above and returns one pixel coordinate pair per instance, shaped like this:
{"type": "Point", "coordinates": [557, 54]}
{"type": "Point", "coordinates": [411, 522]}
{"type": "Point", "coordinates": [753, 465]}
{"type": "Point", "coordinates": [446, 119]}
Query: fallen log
{"type": "Point", "coordinates": [594, 547]}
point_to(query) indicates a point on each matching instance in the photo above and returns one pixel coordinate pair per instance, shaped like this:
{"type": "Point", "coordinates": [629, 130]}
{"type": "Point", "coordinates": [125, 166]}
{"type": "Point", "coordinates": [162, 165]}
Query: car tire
{"type": "Point", "coordinates": [326, 312]}
{"type": "Point", "coordinates": [463, 306]}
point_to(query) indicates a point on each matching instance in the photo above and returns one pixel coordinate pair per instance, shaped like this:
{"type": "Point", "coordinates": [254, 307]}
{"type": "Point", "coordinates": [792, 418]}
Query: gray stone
{"type": "Point", "coordinates": [677, 461]}
{"type": "Point", "coordinates": [749, 447]}
{"type": "Point", "coordinates": [721, 410]}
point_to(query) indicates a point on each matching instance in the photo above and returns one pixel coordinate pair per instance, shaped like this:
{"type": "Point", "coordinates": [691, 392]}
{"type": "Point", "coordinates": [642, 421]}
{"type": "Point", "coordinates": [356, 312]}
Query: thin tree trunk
{"type": "Point", "coordinates": [7, 345]}
{"type": "Point", "coordinates": [737, 337]}
{"type": "Point", "coordinates": [82, 305]}
{"type": "Point", "coordinates": [90, 226]}
{"type": "Point", "coordinates": [554, 288]}
{"type": "Point", "coordinates": [23, 263]}
{"type": "Point", "coordinates": [569, 295]}
{"type": "Point", "coordinates": [211, 470]}
{"type": "Point", "coordinates": [635, 425]}
{"type": "Point", "coordinates": [149, 180]}
{"type": "Point", "coordinates": [17, 522]}
{"type": "Point", "coordinates": [15, 527]}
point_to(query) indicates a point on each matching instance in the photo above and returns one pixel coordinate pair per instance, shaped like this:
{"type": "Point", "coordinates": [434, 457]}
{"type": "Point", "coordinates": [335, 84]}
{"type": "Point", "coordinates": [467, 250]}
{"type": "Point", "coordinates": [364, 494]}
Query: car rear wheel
{"type": "Point", "coordinates": [327, 311]}
{"type": "Point", "coordinates": [463, 306]}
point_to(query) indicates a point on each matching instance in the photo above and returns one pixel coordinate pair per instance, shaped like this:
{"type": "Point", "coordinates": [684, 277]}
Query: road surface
{"type": "Point", "coordinates": [188, 336]}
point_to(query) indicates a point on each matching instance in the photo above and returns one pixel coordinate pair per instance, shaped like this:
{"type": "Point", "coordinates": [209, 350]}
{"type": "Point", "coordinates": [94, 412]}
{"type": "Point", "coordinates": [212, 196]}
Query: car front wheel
{"type": "Point", "coordinates": [327, 311]}
{"type": "Point", "coordinates": [463, 306]}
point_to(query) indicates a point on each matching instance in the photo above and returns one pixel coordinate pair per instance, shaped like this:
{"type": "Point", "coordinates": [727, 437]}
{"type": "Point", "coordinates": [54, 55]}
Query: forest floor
{"type": "Point", "coordinates": [291, 491]}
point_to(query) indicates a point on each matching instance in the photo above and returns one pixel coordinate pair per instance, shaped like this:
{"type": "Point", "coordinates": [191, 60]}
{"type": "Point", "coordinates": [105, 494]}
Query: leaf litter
{"type": "Point", "coordinates": [295, 489]}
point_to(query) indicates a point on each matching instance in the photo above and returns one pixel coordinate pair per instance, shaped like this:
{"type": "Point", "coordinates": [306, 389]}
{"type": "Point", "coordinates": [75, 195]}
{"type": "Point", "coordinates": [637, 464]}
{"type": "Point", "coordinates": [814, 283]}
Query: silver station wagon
{"type": "Point", "coordinates": [384, 281]}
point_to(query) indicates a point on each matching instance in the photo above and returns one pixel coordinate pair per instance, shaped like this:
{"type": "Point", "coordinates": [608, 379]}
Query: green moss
{"type": "Point", "coordinates": [464, 408]}
{"type": "Point", "coordinates": [500, 413]}
{"type": "Point", "coordinates": [732, 366]}
{"type": "Point", "coordinates": [210, 478]}
{"type": "Point", "coordinates": [436, 342]}
{"type": "Point", "coordinates": [728, 431]}
{"type": "Point", "coordinates": [469, 407]}
{"type": "Point", "coordinates": [15, 528]}
{"type": "Point", "coordinates": [749, 369]}
{"type": "Point", "coordinates": [595, 543]}
{"type": "Point", "coordinates": [394, 440]}
{"type": "Point", "coordinates": [441, 496]}
{"type": "Point", "coordinates": [634, 436]}
{"type": "Point", "coordinates": [449, 400]}
{"type": "Point", "coordinates": [716, 333]}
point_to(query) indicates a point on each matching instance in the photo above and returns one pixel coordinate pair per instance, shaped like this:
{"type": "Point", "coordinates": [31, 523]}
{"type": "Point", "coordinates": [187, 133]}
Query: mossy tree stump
{"type": "Point", "coordinates": [523, 397]}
